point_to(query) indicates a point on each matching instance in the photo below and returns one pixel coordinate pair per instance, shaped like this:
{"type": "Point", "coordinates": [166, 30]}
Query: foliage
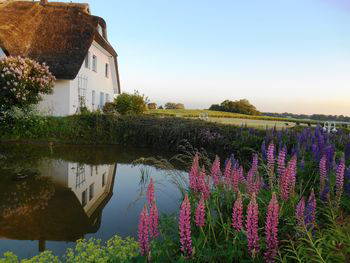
{"type": "Point", "coordinates": [152, 106]}
{"type": "Point", "coordinates": [239, 106]}
{"type": "Point", "coordinates": [130, 103]}
{"type": "Point", "coordinates": [317, 117]}
{"type": "Point", "coordinates": [109, 108]}
{"type": "Point", "coordinates": [174, 106]}
{"type": "Point", "coordinates": [22, 82]}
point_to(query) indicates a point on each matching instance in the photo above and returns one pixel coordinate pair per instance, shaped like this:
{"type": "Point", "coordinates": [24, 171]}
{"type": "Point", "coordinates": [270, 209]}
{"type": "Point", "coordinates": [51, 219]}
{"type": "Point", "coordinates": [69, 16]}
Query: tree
{"type": "Point", "coordinates": [23, 81]}
{"type": "Point", "coordinates": [174, 106]}
{"type": "Point", "coordinates": [127, 103]}
{"type": "Point", "coordinates": [239, 106]}
{"type": "Point", "coordinates": [152, 106]}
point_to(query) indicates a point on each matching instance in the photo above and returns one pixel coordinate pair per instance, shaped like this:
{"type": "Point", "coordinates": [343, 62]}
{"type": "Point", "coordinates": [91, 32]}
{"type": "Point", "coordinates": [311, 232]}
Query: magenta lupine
{"type": "Point", "coordinates": [143, 233]}
{"type": "Point", "coordinates": [185, 227]}
{"type": "Point", "coordinates": [194, 173]}
{"type": "Point", "coordinates": [153, 220]}
{"type": "Point", "coordinates": [252, 226]}
{"type": "Point", "coordinates": [237, 213]}
{"type": "Point", "coordinates": [284, 184]}
{"type": "Point", "coordinates": [215, 171]}
{"type": "Point", "coordinates": [271, 163]}
{"type": "Point", "coordinates": [281, 161]}
{"type": "Point", "coordinates": [203, 184]}
{"type": "Point", "coordinates": [150, 192]}
{"type": "Point", "coordinates": [293, 173]}
{"type": "Point", "coordinates": [200, 213]}
{"type": "Point", "coordinates": [339, 184]}
{"type": "Point", "coordinates": [227, 173]}
{"type": "Point", "coordinates": [323, 172]}
{"type": "Point", "coordinates": [300, 212]}
{"type": "Point", "coordinates": [271, 229]}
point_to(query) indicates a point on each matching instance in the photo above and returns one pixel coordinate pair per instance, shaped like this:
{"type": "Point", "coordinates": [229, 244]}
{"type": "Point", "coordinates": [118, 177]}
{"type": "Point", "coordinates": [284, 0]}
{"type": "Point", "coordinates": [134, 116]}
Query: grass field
{"type": "Point", "coordinates": [232, 118]}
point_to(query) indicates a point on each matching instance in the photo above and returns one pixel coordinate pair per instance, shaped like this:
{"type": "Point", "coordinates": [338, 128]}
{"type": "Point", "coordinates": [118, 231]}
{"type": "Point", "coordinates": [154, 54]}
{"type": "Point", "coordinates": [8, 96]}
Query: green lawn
{"type": "Point", "coordinates": [230, 118]}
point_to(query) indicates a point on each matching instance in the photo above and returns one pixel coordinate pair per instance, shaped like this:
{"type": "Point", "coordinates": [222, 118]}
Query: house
{"type": "Point", "coordinates": [72, 42]}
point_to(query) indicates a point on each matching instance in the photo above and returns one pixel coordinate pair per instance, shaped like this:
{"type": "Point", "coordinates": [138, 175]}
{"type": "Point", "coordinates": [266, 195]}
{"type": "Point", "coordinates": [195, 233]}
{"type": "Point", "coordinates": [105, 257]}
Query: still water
{"type": "Point", "coordinates": [52, 196]}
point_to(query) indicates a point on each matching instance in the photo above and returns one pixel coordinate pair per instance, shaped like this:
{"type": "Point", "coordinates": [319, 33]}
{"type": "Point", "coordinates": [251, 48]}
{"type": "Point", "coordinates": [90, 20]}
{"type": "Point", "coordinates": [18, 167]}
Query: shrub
{"type": "Point", "coordinates": [239, 106]}
{"type": "Point", "coordinates": [174, 106]}
{"type": "Point", "coordinates": [22, 82]}
{"type": "Point", "coordinates": [109, 108]}
{"type": "Point", "coordinates": [130, 103]}
{"type": "Point", "coordinates": [152, 106]}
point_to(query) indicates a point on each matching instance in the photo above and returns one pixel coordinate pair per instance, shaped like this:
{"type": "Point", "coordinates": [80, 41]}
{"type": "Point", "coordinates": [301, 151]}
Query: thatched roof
{"type": "Point", "coordinates": [59, 34]}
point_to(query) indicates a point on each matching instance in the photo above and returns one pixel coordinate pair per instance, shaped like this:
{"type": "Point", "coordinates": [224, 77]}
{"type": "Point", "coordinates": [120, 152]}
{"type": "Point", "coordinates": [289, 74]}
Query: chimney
{"type": "Point", "coordinates": [43, 2]}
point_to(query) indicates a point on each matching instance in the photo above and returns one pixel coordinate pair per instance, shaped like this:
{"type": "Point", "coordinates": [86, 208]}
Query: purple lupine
{"type": "Point", "coordinates": [271, 229]}
{"type": "Point", "coordinates": [339, 184]}
{"type": "Point", "coordinates": [323, 173]}
{"type": "Point", "coordinates": [194, 173]}
{"type": "Point", "coordinates": [293, 173]}
{"type": "Point", "coordinates": [215, 171]}
{"type": "Point", "coordinates": [263, 150]}
{"type": "Point", "coordinates": [153, 220]}
{"type": "Point", "coordinates": [252, 226]}
{"type": "Point", "coordinates": [255, 163]}
{"type": "Point", "coordinates": [310, 212]}
{"type": "Point", "coordinates": [281, 161]}
{"type": "Point", "coordinates": [300, 212]}
{"type": "Point", "coordinates": [347, 177]}
{"type": "Point", "coordinates": [200, 213]}
{"type": "Point", "coordinates": [150, 192]}
{"type": "Point", "coordinates": [271, 163]}
{"type": "Point", "coordinates": [143, 233]}
{"type": "Point", "coordinates": [347, 151]}
{"type": "Point", "coordinates": [284, 184]}
{"type": "Point", "coordinates": [185, 227]}
{"type": "Point", "coordinates": [237, 213]}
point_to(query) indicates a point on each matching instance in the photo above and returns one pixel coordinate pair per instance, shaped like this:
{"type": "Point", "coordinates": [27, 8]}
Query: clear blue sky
{"type": "Point", "coordinates": [286, 55]}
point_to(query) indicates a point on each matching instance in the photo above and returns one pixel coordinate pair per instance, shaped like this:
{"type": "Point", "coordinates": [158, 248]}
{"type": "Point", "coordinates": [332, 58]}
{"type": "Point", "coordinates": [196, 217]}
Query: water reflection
{"type": "Point", "coordinates": [51, 197]}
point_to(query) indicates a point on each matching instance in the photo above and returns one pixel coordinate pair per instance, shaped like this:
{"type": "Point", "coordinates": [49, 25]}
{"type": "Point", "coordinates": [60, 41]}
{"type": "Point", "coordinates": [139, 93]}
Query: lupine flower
{"type": "Point", "coordinates": [194, 173]}
{"type": "Point", "coordinates": [300, 212]}
{"type": "Point", "coordinates": [339, 185]}
{"type": "Point", "coordinates": [143, 233]}
{"type": "Point", "coordinates": [347, 151]}
{"type": "Point", "coordinates": [347, 186]}
{"type": "Point", "coordinates": [293, 173]}
{"type": "Point", "coordinates": [310, 213]}
{"type": "Point", "coordinates": [271, 229]}
{"type": "Point", "coordinates": [237, 213]}
{"type": "Point", "coordinates": [203, 184]}
{"type": "Point", "coordinates": [284, 185]}
{"type": "Point", "coordinates": [200, 213]}
{"type": "Point", "coordinates": [153, 220]}
{"type": "Point", "coordinates": [281, 161]}
{"type": "Point", "coordinates": [235, 179]}
{"type": "Point", "coordinates": [227, 173]}
{"type": "Point", "coordinates": [252, 226]}
{"type": "Point", "coordinates": [185, 227]}
{"type": "Point", "coordinates": [271, 163]}
{"type": "Point", "coordinates": [323, 172]}
{"type": "Point", "coordinates": [215, 171]}
{"type": "Point", "coordinates": [255, 164]}
{"type": "Point", "coordinates": [263, 150]}
{"type": "Point", "coordinates": [150, 192]}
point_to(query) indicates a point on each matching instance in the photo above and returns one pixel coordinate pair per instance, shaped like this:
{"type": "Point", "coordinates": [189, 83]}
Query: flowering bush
{"type": "Point", "coordinates": [22, 82]}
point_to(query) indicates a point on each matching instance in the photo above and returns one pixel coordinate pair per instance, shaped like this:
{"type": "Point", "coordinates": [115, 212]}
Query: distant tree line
{"type": "Point", "coordinates": [317, 117]}
{"type": "Point", "coordinates": [242, 106]}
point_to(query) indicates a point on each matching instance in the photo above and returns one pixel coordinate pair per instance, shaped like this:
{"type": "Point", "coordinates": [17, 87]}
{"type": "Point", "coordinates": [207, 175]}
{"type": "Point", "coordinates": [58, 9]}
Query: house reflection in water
{"type": "Point", "coordinates": [67, 210]}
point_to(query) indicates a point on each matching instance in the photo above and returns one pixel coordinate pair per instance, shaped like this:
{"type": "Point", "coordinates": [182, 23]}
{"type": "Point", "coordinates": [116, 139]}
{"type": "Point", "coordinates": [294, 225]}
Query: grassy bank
{"type": "Point", "coordinates": [166, 134]}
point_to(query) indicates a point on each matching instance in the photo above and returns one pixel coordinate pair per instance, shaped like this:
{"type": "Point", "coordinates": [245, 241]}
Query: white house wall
{"type": "Point", "coordinates": [94, 81]}
{"type": "Point", "coordinates": [58, 103]}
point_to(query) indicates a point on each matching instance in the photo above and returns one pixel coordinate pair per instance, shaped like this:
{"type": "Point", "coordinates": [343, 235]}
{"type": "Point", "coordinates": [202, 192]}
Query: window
{"type": "Point", "coordinates": [91, 192]}
{"type": "Point", "coordinates": [93, 99]}
{"type": "Point", "coordinates": [83, 198]}
{"type": "Point", "coordinates": [94, 63]}
{"type": "Point", "coordinates": [107, 70]}
{"type": "Point", "coordinates": [102, 100]}
{"type": "Point", "coordinates": [87, 60]}
{"type": "Point", "coordinates": [103, 179]}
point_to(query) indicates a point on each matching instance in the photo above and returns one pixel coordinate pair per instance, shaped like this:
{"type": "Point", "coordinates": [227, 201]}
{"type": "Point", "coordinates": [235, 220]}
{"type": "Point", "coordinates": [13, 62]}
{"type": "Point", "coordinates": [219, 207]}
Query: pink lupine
{"type": "Point", "coordinates": [271, 163]}
{"type": "Point", "coordinates": [200, 213]}
{"type": "Point", "coordinates": [252, 226]}
{"type": "Point", "coordinates": [185, 227]}
{"type": "Point", "coordinates": [143, 233]}
{"type": "Point", "coordinates": [194, 173]}
{"type": "Point", "coordinates": [300, 212]}
{"type": "Point", "coordinates": [271, 229]}
{"type": "Point", "coordinates": [215, 171]}
{"type": "Point", "coordinates": [153, 220]}
{"type": "Point", "coordinates": [284, 184]}
{"type": "Point", "coordinates": [150, 192]}
{"type": "Point", "coordinates": [339, 184]}
{"type": "Point", "coordinates": [235, 179]}
{"type": "Point", "coordinates": [293, 173]}
{"type": "Point", "coordinates": [203, 184]}
{"type": "Point", "coordinates": [323, 172]}
{"type": "Point", "coordinates": [281, 161]}
{"type": "Point", "coordinates": [250, 182]}
{"type": "Point", "coordinates": [227, 172]}
{"type": "Point", "coordinates": [237, 213]}
{"type": "Point", "coordinates": [241, 175]}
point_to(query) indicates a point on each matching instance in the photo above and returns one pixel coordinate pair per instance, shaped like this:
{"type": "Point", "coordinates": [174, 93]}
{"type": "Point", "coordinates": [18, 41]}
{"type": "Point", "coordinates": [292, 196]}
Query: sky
{"type": "Point", "coordinates": [281, 55]}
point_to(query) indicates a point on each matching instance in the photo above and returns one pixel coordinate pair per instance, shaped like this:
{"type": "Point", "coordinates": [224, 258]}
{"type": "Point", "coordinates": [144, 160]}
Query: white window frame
{"type": "Point", "coordinates": [107, 70]}
{"type": "Point", "coordinates": [87, 60]}
{"type": "Point", "coordinates": [94, 63]}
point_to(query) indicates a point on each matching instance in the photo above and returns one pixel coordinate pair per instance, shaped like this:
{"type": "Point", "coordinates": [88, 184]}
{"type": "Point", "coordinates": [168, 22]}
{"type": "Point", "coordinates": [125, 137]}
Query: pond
{"type": "Point", "coordinates": [52, 196]}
